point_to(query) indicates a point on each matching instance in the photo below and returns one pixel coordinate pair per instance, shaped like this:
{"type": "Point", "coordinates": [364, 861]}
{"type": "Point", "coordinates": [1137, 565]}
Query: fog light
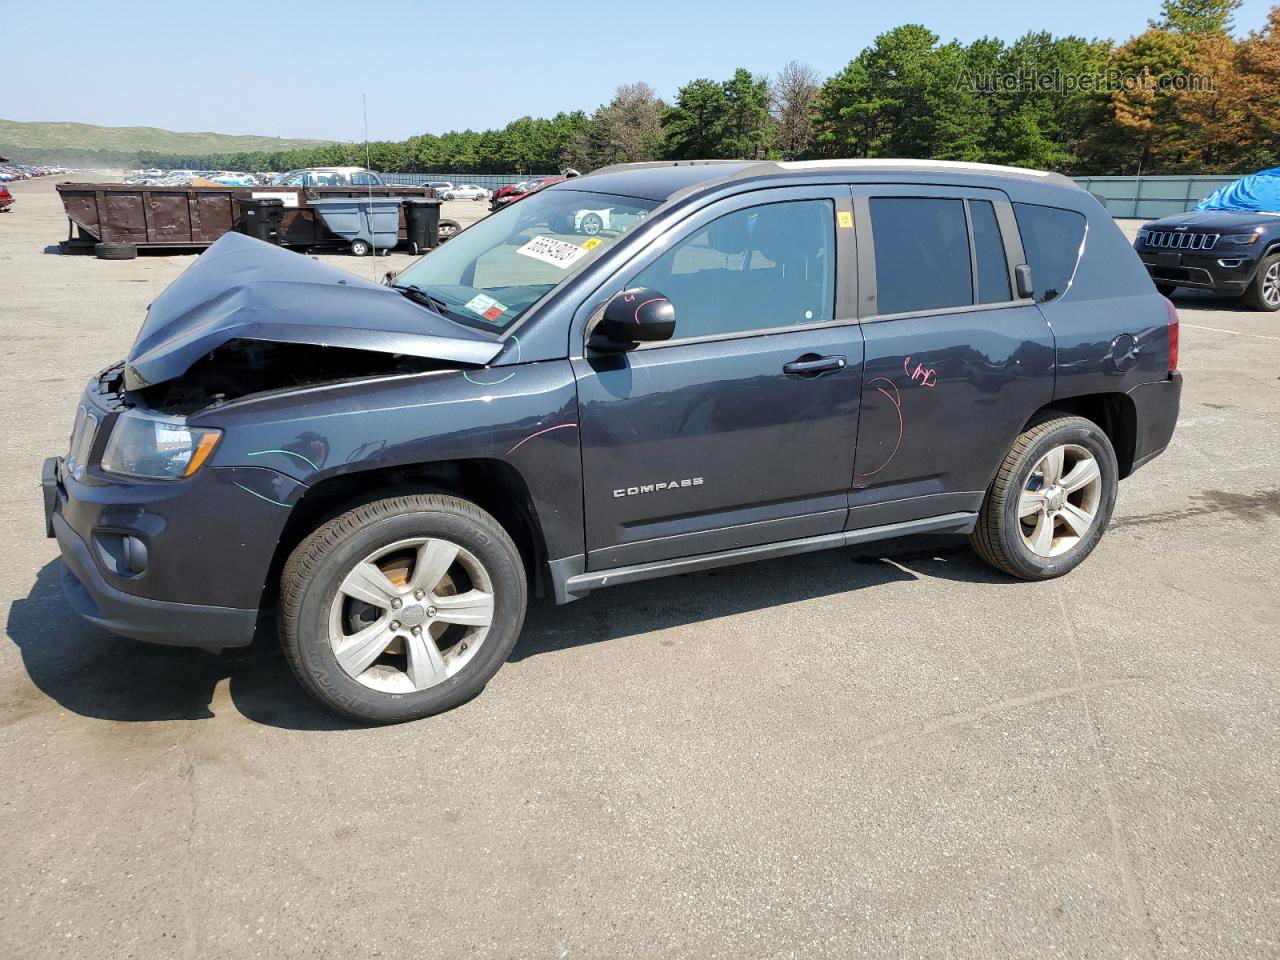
{"type": "Point", "coordinates": [121, 554]}
{"type": "Point", "coordinates": [1231, 264]}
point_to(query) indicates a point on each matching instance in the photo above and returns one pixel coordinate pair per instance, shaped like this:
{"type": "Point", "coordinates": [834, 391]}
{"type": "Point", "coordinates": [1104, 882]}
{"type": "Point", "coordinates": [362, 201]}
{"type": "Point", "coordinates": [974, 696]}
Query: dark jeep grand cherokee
{"type": "Point", "coordinates": [748, 360]}
{"type": "Point", "coordinates": [1231, 253]}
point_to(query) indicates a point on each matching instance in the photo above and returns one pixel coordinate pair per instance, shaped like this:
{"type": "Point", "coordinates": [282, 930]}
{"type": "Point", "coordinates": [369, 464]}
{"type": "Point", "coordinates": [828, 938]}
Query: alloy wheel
{"type": "Point", "coordinates": [411, 614]}
{"type": "Point", "coordinates": [1271, 284]}
{"type": "Point", "coordinates": [1060, 500]}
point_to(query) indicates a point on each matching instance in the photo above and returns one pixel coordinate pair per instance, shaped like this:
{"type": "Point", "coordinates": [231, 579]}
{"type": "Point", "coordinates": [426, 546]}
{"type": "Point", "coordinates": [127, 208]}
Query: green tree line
{"type": "Point", "coordinates": [1186, 95]}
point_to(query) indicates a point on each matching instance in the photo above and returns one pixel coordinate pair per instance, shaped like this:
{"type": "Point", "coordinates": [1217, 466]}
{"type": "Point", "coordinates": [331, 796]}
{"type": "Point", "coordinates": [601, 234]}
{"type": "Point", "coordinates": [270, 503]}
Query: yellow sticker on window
{"type": "Point", "coordinates": [591, 243]}
{"type": "Point", "coordinates": [845, 219]}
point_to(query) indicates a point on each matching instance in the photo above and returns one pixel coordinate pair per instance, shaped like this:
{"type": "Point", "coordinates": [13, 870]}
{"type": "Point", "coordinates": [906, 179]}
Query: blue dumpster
{"type": "Point", "coordinates": [367, 223]}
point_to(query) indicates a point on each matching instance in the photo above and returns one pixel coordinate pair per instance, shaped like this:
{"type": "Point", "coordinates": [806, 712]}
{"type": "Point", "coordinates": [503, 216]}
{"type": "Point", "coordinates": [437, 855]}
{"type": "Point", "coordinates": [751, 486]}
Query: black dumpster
{"type": "Point", "coordinates": [261, 218]}
{"type": "Point", "coordinates": [422, 224]}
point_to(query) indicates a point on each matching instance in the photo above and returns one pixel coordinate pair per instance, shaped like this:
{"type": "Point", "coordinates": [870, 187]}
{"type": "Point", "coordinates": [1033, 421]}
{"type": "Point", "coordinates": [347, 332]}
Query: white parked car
{"type": "Point", "coordinates": [466, 191]}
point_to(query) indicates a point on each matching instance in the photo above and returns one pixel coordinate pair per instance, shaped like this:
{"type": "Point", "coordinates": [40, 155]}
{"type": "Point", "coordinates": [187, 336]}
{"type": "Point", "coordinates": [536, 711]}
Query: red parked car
{"type": "Point", "coordinates": [510, 194]}
{"type": "Point", "coordinates": [6, 199]}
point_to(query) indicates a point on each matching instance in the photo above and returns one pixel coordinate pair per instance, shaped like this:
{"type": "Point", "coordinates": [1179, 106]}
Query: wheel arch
{"type": "Point", "coordinates": [1114, 413]}
{"type": "Point", "coordinates": [493, 485]}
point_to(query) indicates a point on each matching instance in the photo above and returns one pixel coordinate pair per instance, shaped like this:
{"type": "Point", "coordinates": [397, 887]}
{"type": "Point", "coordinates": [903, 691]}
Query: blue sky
{"type": "Point", "coordinates": [299, 70]}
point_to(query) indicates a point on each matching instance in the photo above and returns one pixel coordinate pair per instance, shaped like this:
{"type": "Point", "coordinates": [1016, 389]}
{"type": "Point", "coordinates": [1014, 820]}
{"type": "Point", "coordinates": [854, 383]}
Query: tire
{"type": "Point", "coordinates": [591, 224]}
{"type": "Point", "coordinates": [1166, 289]}
{"type": "Point", "coordinates": [449, 196]}
{"type": "Point", "coordinates": [1263, 292]}
{"type": "Point", "coordinates": [115, 251]}
{"type": "Point", "coordinates": [414, 249]}
{"type": "Point", "coordinates": [1005, 540]}
{"type": "Point", "coordinates": [386, 689]}
{"type": "Point", "coordinates": [360, 248]}
{"type": "Point", "coordinates": [447, 229]}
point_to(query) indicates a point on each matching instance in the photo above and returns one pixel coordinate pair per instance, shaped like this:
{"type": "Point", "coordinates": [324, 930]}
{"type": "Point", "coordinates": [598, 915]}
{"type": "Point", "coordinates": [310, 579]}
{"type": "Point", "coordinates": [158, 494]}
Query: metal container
{"type": "Point", "coordinates": [184, 217]}
{"type": "Point", "coordinates": [367, 223]}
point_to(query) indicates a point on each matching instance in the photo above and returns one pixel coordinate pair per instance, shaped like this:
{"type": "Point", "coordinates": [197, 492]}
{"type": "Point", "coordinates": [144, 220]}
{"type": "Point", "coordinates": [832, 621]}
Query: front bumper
{"type": "Point", "coordinates": [138, 617]}
{"type": "Point", "coordinates": [182, 562]}
{"type": "Point", "coordinates": [1200, 270]}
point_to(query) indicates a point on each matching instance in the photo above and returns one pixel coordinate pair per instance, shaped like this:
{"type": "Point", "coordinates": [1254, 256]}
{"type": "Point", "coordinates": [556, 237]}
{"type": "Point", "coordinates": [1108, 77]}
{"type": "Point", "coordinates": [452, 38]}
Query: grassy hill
{"type": "Point", "coordinates": [75, 142]}
{"type": "Point", "coordinates": [85, 136]}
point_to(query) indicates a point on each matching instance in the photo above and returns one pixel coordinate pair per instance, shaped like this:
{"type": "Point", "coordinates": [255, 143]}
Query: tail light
{"type": "Point", "coordinates": [1173, 334]}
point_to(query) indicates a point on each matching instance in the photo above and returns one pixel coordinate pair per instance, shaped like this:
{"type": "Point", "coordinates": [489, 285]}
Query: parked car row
{"type": "Point", "coordinates": [447, 190]}
{"type": "Point", "coordinates": [10, 172]}
{"type": "Point", "coordinates": [180, 178]}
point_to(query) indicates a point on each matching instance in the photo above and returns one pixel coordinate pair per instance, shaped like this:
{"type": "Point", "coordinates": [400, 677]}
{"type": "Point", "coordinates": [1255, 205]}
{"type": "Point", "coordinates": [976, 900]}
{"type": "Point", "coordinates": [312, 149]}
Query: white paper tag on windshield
{"type": "Point", "coordinates": [558, 253]}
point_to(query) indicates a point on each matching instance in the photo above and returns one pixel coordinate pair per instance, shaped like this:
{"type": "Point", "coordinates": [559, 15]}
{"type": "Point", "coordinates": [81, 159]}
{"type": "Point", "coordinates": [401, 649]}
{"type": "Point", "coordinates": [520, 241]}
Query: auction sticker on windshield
{"type": "Point", "coordinates": [558, 253]}
{"type": "Point", "coordinates": [487, 307]}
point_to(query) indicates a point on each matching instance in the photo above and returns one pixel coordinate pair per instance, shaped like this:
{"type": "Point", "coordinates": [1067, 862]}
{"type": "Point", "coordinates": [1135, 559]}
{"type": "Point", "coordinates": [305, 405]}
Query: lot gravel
{"type": "Point", "coordinates": [896, 753]}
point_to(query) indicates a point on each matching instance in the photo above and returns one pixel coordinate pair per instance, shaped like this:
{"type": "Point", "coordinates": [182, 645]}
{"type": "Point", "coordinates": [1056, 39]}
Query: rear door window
{"type": "Point", "coordinates": [922, 254]}
{"type": "Point", "coordinates": [1052, 239]}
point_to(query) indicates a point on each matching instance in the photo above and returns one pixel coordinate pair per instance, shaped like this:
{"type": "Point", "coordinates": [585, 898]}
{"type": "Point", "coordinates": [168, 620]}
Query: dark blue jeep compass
{"type": "Point", "coordinates": [652, 369]}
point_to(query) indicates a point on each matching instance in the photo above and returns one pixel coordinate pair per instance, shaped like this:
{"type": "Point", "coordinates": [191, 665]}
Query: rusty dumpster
{"type": "Point", "coordinates": [183, 217]}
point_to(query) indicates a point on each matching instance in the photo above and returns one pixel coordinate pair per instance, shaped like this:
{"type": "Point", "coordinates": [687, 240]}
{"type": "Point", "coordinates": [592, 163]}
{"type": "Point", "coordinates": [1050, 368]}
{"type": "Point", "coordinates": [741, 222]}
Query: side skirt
{"type": "Point", "coordinates": [570, 582]}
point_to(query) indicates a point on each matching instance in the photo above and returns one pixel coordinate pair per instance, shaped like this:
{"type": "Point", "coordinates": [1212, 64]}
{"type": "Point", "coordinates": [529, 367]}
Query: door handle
{"type": "Point", "coordinates": [811, 365]}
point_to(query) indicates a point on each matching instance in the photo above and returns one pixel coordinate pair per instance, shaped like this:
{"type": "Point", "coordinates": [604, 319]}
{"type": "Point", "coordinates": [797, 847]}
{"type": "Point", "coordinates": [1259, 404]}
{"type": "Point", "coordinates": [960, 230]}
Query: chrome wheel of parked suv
{"type": "Point", "coordinates": [403, 607]}
{"type": "Point", "coordinates": [1263, 292]}
{"type": "Point", "coordinates": [1051, 499]}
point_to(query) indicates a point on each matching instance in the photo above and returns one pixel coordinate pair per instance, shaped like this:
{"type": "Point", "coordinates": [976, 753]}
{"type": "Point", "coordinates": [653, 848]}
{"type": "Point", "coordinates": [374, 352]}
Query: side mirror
{"type": "Point", "coordinates": [639, 315]}
{"type": "Point", "coordinates": [1022, 274]}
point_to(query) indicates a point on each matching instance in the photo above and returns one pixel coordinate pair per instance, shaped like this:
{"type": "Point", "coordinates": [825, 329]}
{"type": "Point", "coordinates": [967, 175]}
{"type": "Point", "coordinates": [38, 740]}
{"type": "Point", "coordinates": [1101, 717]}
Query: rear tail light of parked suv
{"type": "Point", "coordinates": [1173, 334]}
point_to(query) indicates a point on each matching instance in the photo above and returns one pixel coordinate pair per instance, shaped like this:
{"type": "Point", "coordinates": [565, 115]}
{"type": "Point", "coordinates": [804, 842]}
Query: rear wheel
{"type": "Point", "coordinates": [402, 607]}
{"type": "Point", "coordinates": [591, 224]}
{"type": "Point", "coordinates": [115, 251]}
{"type": "Point", "coordinates": [1263, 292]}
{"type": "Point", "coordinates": [448, 228]}
{"type": "Point", "coordinates": [360, 248]}
{"type": "Point", "coordinates": [1051, 500]}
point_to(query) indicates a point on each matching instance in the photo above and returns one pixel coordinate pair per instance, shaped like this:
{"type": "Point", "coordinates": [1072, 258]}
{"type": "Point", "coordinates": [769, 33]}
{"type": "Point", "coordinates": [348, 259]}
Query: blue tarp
{"type": "Point", "coordinates": [1258, 191]}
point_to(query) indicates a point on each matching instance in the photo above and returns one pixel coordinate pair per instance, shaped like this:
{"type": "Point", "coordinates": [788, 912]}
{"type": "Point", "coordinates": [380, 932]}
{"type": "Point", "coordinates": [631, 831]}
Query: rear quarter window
{"type": "Point", "coordinates": [1052, 238]}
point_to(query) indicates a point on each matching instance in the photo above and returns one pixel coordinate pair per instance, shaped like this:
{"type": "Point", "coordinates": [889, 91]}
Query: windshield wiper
{"type": "Point", "coordinates": [414, 292]}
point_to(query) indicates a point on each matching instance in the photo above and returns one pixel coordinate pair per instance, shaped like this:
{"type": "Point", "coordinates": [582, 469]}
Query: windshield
{"type": "Point", "coordinates": [491, 273]}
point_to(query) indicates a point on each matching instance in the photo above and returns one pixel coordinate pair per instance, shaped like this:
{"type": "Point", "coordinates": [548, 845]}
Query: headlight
{"type": "Point", "coordinates": [1241, 238]}
{"type": "Point", "coordinates": [157, 448]}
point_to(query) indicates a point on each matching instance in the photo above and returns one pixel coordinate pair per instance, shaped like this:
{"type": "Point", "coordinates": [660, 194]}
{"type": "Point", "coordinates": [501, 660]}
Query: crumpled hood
{"type": "Point", "coordinates": [245, 289]}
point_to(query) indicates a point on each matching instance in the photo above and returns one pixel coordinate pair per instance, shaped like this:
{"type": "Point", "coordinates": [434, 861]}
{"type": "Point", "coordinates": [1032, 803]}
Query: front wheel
{"type": "Point", "coordinates": [447, 229]}
{"type": "Point", "coordinates": [1051, 500]}
{"type": "Point", "coordinates": [1263, 292]}
{"type": "Point", "coordinates": [402, 607]}
{"type": "Point", "coordinates": [360, 248]}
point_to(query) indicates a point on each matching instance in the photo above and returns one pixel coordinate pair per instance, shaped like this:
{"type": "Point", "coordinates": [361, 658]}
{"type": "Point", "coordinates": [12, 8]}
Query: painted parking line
{"type": "Point", "coordinates": [1257, 336]}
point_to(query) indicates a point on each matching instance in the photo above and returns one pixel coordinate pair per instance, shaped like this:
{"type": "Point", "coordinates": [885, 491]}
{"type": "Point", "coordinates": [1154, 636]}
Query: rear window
{"type": "Point", "coordinates": [1051, 238]}
{"type": "Point", "coordinates": [922, 254]}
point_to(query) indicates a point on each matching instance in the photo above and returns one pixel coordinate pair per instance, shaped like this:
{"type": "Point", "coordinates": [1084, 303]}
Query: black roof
{"type": "Point", "coordinates": [656, 181]}
{"type": "Point", "coordinates": [661, 180]}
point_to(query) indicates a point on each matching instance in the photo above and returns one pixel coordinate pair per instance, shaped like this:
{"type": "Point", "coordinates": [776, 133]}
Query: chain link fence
{"type": "Point", "coordinates": [490, 181]}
